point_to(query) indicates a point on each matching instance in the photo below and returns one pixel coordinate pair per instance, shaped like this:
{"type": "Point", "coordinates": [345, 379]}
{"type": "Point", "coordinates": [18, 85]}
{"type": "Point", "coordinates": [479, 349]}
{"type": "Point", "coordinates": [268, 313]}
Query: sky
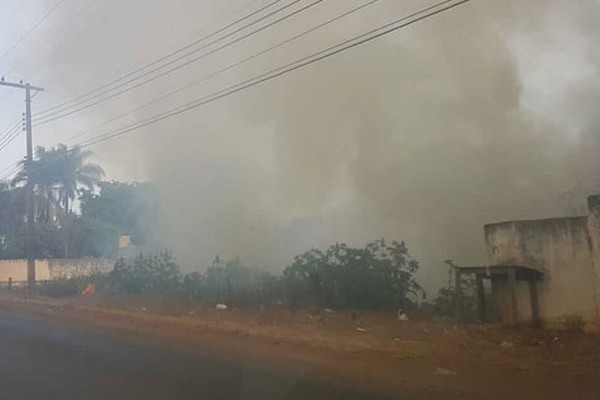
{"type": "Point", "coordinates": [481, 114]}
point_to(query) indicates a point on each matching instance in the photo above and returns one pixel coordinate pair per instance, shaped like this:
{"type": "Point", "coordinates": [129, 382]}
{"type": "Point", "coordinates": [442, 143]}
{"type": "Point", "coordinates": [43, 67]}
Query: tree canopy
{"type": "Point", "coordinates": [63, 178]}
{"type": "Point", "coordinates": [378, 276]}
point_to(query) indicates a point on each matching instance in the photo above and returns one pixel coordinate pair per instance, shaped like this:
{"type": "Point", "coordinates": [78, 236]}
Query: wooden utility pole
{"type": "Point", "coordinates": [29, 237]}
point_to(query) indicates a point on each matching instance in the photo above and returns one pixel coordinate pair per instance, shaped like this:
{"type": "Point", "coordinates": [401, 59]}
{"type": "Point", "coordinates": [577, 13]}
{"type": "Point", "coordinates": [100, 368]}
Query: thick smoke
{"type": "Point", "coordinates": [485, 113]}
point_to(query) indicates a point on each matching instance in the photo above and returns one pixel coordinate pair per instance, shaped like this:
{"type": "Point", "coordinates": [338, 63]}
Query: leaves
{"type": "Point", "coordinates": [154, 274]}
{"type": "Point", "coordinates": [378, 276]}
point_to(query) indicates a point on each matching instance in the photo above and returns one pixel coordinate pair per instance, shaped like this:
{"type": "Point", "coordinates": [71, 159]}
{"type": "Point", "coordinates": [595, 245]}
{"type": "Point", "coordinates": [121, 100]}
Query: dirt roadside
{"type": "Point", "coordinates": [416, 359]}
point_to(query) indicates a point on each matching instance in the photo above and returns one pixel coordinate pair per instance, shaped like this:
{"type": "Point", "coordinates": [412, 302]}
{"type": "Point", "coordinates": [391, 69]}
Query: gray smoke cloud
{"type": "Point", "coordinates": [482, 114]}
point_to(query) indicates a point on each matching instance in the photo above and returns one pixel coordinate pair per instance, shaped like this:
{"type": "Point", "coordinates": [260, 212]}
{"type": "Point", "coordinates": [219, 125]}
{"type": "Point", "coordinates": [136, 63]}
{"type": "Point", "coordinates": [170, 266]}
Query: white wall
{"type": "Point", "coordinates": [17, 270]}
{"type": "Point", "coordinates": [561, 249]}
{"type": "Point", "coordinates": [53, 269]}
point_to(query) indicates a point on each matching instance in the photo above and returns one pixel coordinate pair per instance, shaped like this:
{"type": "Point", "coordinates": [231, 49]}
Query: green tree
{"type": "Point", "coordinates": [153, 274]}
{"type": "Point", "coordinates": [57, 174]}
{"type": "Point", "coordinates": [124, 209]}
{"type": "Point", "coordinates": [193, 286]}
{"type": "Point", "coordinates": [237, 285]}
{"type": "Point", "coordinates": [73, 173]}
{"type": "Point", "coordinates": [377, 277]}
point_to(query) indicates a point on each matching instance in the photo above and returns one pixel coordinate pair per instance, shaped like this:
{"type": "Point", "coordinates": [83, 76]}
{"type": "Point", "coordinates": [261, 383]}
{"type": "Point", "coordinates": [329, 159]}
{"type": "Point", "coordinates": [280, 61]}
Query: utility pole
{"type": "Point", "coordinates": [29, 242]}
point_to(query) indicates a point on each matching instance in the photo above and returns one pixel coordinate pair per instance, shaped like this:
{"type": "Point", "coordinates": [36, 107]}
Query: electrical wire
{"type": "Point", "coordinates": [15, 133]}
{"type": "Point", "coordinates": [81, 11]}
{"type": "Point", "coordinates": [225, 69]}
{"type": "Point", "coordinates": [9, 130]}
{"type": "Point", "coordinates": [62, 113]}
{"type": "Point", "coordinates": [32, 29]}
{"type": "Point", "coordinates": [167, 56]}
{"type": "Point", "coordinates": [11, 170]}
{"type": "Point", "coordinates": [48, 118]}
{"type": "Point", "coordinates": [386, 29]}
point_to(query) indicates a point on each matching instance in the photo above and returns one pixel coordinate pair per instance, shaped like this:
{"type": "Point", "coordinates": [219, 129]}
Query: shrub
{"type": "Point", "coordinates": [573, 324]}
{"type": "Point", "coordinates": [59, 288]}
{"type": "Point", "coordinates": [379, 276]}
{"type": "Point", "coordinates": [153, 274]}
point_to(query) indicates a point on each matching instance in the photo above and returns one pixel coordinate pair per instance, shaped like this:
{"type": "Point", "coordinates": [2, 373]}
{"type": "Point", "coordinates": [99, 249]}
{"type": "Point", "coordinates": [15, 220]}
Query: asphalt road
{"type": "Point", "coordinates": [41, 358]}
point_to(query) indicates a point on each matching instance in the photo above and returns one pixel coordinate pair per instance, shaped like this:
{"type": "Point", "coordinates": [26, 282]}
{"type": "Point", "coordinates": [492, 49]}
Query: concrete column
{"type": "Point", "coordinates": [458, 311]}
{"type": "Point", "coordinates": [514, 311]}
{"type": "Point", "coordinates": [480, 297]}
{"type": "Point", "coordinates": [535, 307]}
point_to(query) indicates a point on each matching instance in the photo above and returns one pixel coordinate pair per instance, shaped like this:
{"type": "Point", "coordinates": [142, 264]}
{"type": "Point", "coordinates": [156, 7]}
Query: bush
{"type": "Point", "coordinates": [234, 284]}
{"type": "Point", "coordinates": [573, 324]}
{"type": "Point", "coordinates": [376, 277]}
{"type": "Point", "coordinates": [154, 274]}
{"type": "Point", "coordinates": [59, 288]}
{"type": "Point", "coordinates": [66, 287]}
{"type": "Point", "coordinates": [379, 276]}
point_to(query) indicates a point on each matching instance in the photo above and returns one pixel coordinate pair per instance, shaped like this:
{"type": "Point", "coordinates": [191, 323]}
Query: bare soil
{"type": "Point", "coordinates": [417, 358]}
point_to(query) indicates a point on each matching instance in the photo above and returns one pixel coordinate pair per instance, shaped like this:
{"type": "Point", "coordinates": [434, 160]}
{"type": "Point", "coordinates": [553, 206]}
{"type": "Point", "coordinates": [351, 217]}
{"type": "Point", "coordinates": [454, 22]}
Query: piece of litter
{"type": "Point", "coordinates": [328, 310]}
{"type": "Point", "coordinates": [361, 330]}
{"type": "Point", "coordinates": [221, 306]}
{"type": "Point", "coordinates": [402, 317]}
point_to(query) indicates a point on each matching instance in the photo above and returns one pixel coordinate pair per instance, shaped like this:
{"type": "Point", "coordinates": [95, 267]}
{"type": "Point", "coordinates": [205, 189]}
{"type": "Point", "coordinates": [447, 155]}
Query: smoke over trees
{"type": "Point", "coordinates": [482, 114]}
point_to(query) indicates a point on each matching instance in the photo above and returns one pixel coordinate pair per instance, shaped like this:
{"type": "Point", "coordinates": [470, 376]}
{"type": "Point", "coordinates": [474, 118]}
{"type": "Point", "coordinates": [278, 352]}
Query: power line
{"type": "Point", "coordinates": [12, 169]}
{"type": "Point", "coordinates": [44, 60]}
{"type": "Point", "coordinates": [400, 23]}
{"type": "Point", "coordinates": [32, 29]}
{"type": "Point", "coordinates": [7, 168]}
{"type": "Point", "coordinates": [175, 52]}
{"type": "Point", "coordinates": [14, 134]}
{"type": "Point", "coordinates": [328, 52]}
{"type": "Point", "coordinates": [225, 69]}
{"type": "Point", "coordinates": [54, 33]}
{"type": "Point", "coordinates": [9, 133]}
{"type": "Point", "coordinates": [9, 129]}
{"type": "Point", "coordinates": [63, 113]}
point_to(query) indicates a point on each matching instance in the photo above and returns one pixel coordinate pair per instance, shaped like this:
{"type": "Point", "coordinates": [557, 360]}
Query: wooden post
{"type": "Point", "coordinates": [513, 294]}
{"type": "Point", "coordinates": [535, 307]}
{"type": "Point", "coordinates": [480, 298]}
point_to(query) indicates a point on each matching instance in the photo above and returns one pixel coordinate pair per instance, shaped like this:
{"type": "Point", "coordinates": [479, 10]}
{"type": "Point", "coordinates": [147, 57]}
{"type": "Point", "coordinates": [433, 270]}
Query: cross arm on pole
{"type": "Point", "coordinates": [21, 86]}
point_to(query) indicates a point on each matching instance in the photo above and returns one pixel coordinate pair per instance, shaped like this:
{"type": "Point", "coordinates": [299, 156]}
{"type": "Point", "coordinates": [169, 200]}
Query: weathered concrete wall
{"type": "Point", "coordinates": [559, 247]}
{"type": "Point", "coordinates": [594, 232]}
{"type": "Point", "coordinates": [54, 269]}
{"type": "Point", "coordinates": [71, 268]}
{"type": "Point", "coordinates": [501, 299]}
{"type": "Point", "coordinates": [17, 270]}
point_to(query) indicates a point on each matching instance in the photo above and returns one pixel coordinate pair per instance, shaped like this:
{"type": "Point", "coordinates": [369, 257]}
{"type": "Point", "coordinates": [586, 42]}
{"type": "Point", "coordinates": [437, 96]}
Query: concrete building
{"type": "Point", "coordinates": [542, 269]}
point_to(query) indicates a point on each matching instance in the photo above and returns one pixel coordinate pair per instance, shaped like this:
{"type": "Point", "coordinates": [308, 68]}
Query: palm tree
{"type": "Point", "coordinates": [74, 173]}
{"type": "Point", "coordinates": [57, 175]}
{"type": "Point", "coordinates": [44, 173]}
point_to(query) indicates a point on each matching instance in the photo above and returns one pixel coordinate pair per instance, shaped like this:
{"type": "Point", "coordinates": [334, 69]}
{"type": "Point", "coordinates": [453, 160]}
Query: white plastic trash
{"type": "Point", "coordinates": [402, 316]}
